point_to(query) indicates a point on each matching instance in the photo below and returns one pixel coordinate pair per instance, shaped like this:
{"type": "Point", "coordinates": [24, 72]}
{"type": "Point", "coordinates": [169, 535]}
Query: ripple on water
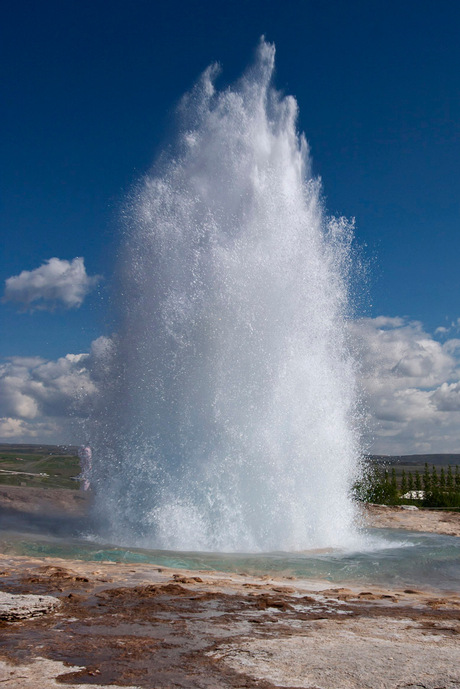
{"type": "Point", "coordinates": [391, 558]}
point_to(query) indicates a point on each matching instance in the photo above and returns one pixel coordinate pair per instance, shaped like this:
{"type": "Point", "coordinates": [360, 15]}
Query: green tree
{"type": "Point", "coordinates": [426, 479]}
{"type": "Point", "coordinates": [394, 482]}
{"type": "Point", "coordinates": [381, 490]}
{"type": "Point", "coordinates": [418, 481]}
{"type": "Point", "coordinates": [410, 481]}
{"type": "Point", "coordinates": [439, 499]}
{"type": "Point", "coordinates": [442, 479]}
{"type": "Point", "coordinates": [450, 479]}
{"type": "Point", "coordinates": [457, 478]}
{"type": "Point", "coordinates": [434, 478]}
{"type": "Point", "coordinates": [403, 483]}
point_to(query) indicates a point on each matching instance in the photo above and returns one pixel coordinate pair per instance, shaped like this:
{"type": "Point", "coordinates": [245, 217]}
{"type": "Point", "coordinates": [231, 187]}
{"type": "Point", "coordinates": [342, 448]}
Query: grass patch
{"type": "Point", "coordinates": [39, 470]}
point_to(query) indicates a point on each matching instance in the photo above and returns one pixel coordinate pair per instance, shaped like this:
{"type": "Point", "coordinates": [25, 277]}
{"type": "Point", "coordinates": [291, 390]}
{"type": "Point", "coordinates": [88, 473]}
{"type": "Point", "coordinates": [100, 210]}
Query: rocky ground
{"type": "Point", "coordinates": [108, 624]}
{"type": "Point", "coordinates": [111, 624]}
{"type": "Point", "coordinates": [43, 501]}
{"type": "Point", "coordinates": [74, 504]}
{"type": "Point", "coordinates": [433, 521]}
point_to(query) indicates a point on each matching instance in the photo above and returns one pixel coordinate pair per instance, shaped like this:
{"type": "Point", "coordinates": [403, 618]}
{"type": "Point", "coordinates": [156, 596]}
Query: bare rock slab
{"type": "Point", "coordinates": [354, 654]}
{"type": "Point", "coordinates": [43, 673]}
{"type": "Point", "coordinates": [22, 606]}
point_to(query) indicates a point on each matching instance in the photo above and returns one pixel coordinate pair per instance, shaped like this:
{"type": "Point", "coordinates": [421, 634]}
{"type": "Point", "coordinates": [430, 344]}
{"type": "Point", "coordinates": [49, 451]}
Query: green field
{"type": "Point", "coordinates": [53, 466]}
{"type": "Point", "coordinates": [38, 469]}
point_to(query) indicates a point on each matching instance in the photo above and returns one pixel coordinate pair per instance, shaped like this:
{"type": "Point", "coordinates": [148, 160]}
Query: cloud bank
{"type": "Point", "coordinates": [55, 282]}
{"type": "Point", "coordinates": [40, 400]}
{"type": "Point", "coordinates": [410, 382]}
{"type": "Point", "coordinates": [411, 386]}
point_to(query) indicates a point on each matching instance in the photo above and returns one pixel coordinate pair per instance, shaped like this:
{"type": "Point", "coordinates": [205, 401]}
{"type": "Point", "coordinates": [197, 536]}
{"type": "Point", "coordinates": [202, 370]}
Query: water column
{"type": "Point", "coordinates": [226, 418]}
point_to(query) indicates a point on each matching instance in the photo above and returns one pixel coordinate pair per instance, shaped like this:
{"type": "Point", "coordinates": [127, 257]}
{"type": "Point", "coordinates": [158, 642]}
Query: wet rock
{"type": "Point", "coordinates": [178, 579]}
{"type": "Point", "coordinates": [22, 606]}
{"type": "Point", "coordinates": [266, 601]}
{"type": "Point", "coordinates": [148, 591]}
{"type": "Point", "coordinates": [283, 589]}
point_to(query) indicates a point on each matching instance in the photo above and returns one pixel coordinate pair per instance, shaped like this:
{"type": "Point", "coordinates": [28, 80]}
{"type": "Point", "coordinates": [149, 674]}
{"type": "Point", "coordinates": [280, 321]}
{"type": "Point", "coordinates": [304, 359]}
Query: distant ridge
{"type": "Point", "coordinates": [39, 448]}
{"type": "Point", "coordinates": [437, 459]}
{"type": "Point", "coordinates": [414, 460]}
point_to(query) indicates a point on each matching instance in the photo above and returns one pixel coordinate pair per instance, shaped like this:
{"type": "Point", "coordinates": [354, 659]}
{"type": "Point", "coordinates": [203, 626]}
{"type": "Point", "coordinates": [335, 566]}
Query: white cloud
{"type": "Point", "coordinates": [411, 386]}
{"type": "Point", "coordinates": [55, 282]}
{"type": "Point", "coordinates": [40, 399]}
{"type": "Point", "coordinates": [410, 383]}
{"type": "Point", "coordinates": [18, 430]}
{"type": "Point", "coordinates": [386, 322]}
{"type": "Point", "coordinates": [447, 397]}
{"type": "Point", "coordinates": [452, 346]}
{"type": "Point", "coordinates": [402, 350]}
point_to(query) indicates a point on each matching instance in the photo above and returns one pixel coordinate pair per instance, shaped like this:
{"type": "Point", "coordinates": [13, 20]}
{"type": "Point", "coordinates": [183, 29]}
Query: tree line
{"type": "Point", "coordinates": [431, 488]}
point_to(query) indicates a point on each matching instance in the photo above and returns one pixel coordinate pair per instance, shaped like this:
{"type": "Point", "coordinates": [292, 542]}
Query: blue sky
{"type": "Point", "coordinates": [89, 88]}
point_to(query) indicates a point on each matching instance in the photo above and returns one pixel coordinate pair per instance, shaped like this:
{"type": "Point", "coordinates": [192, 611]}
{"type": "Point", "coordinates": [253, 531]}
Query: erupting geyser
{"type": "Point", "coordinates": [226, 418]}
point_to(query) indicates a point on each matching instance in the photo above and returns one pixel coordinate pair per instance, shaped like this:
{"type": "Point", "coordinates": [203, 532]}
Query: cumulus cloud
{"type": "Point", "coordinates": [447, 397]}
{"type": "Point", "coordinates": [411, 386]}
{"type": "Point", "coordinates": [55, 282]}
{"type": "Point", "coordinates": [18, 430]}
{"type": "Point", "coordinates": [401, 350]}
{"type": "Point", "coordinates": [40, 399]}
{"type": "Point", "coordinates": [49, 388]}
{"type": "Point", "coordinates": [410, 382]}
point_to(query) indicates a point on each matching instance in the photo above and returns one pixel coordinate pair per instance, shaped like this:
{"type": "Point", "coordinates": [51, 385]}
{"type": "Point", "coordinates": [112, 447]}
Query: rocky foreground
{"type": "Point", "coordinates": [112, 624]}
{"type": "Point", "coordinates": [109, 624]}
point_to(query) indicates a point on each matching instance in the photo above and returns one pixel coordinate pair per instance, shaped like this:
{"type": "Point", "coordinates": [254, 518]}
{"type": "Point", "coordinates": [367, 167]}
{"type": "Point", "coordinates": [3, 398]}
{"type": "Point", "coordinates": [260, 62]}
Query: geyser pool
{"type": "Point", "coordinates": [395, 558]}
{"type": "Point", "coordinates": [226, 420]}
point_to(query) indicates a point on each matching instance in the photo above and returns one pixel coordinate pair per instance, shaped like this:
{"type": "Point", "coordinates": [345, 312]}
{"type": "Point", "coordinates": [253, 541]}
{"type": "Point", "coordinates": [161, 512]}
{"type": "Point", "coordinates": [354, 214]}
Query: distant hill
{"type": "Point", "coordinates": [406, 460]}
{"type": "Point", "coordinates": [22, 449]}
{"type": "Point", "coordinates": [417, 460]}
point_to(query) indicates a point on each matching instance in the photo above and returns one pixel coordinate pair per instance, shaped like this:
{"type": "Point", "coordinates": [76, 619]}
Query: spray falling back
{"type": "Point", "coordinates": [226, 422]}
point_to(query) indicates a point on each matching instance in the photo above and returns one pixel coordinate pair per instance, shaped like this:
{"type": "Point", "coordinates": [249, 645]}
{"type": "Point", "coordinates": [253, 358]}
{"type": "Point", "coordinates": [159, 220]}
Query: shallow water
{"type": "Point", "coordinates": [393, 558]}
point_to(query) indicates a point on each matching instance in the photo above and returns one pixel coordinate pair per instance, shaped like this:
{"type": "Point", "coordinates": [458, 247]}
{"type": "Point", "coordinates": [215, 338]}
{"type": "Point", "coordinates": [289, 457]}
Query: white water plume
{"type": "Point", "coordinates": [227, 414]}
